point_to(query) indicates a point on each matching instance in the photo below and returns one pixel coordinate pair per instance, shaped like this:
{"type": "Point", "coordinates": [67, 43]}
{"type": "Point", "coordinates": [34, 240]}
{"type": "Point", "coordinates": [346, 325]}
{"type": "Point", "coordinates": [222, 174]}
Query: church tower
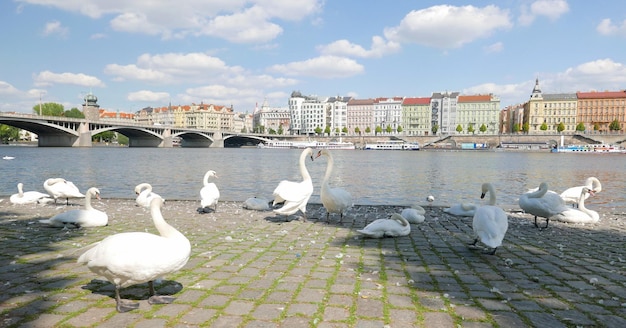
{"type": "Point", "coordinates": [91, 109]}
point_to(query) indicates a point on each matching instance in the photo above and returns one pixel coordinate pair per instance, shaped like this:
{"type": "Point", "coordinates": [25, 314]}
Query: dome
{"type": "Point", "coordinates": [90, 98]}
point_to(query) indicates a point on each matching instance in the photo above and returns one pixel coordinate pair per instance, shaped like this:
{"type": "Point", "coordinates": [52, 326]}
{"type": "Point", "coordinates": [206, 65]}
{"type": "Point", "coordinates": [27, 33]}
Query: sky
{"type": "Point", "coordinates": [240, 53]}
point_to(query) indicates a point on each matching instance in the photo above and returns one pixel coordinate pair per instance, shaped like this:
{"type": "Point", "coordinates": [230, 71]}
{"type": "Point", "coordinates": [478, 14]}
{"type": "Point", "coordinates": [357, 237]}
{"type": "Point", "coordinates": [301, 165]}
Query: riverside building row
{"type": "Point", "coordinates": [443, 113]}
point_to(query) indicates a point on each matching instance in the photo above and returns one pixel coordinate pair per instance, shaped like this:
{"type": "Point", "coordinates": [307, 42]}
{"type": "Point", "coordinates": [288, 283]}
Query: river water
{"type": "Point", "coordinates": [373, 177]}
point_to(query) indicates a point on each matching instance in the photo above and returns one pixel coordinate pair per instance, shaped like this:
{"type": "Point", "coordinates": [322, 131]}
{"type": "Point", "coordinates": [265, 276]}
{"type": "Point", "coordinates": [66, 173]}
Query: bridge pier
{"type": "Point", "coordinates": [218, 140]}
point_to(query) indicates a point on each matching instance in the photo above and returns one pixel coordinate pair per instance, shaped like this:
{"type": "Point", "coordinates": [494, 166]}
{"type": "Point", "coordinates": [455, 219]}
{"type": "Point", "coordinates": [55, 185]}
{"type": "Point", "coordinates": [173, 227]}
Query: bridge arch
{"type": "Point", "coordinates": [67, 134]}
{"type": "Point", "coordinates": [238, 140]}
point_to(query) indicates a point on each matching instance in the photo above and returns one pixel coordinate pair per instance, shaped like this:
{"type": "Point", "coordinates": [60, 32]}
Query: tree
{"type": "Point", "coordinates": [368, 130]}
{"type": "Point", "coordinates": [580, 127]}
{"type": "Point", "coordinates": [49, 109]}
{"type": "Point", "coordinates": [388, 129]}
{"type": "Point", "coordinates": [357, 130]}
{"type": "Point", "coordinates": [483, 128]}
{"type": "Point", "coordinates": [318, 130]}
{"type": "Point", "coordinates": [526, 127]}
{"type": "Point", "coordinates": [459, 128]}
{"type": "Point", "coordinates": [470, 128]}
{"type": "Point", "coordinates": [516, 128]}
{"type": "Point", "coordinates": [560, 127]}
{"type": "Point", "coordinates": [272, 131]}
{"type": "Point", "coordinates": [378, 130]}
{"type": "Point", "coordinates": [74, 113]}
{"type": "Point", "coordinates": [8, 133]}
{"type": "Point", "coordinates": [399, 129]}
{"type": "Point", "coordinates": [435, 128]}
{"type": "Point", "coordinates": [344, 130]}
{"type": "Point", "coordinates": [260, 129]}
{"type": "Point", "coordinates": [280, 129]}
{"type": "Point", "coordinates": [106, 136]}
{"type": "Point", "coordinates": [615, 126]}
{"type": "Point", "coordinates": [543, 126]}
{"type": "Point", "coordinates": [327, 130]}
{"type": "Point", "coordinates": [336, 131]}
{"type": "Point", "coordinates": [596, 126]}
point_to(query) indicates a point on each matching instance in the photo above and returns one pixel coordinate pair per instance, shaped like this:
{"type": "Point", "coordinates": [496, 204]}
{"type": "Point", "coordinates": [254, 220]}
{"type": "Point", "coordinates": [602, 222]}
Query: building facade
{"type": "Point", "coordinates": [596, 110]}
{"type": "Point", "coordinates": [360, 114]}
{"type": "Point", "coordinates": [478, 114]}
{"type": "Point", "coordinates": [416, 116]}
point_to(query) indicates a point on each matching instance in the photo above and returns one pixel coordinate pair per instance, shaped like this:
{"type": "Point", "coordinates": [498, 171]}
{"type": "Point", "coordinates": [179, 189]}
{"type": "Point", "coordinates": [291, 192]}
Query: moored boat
{"type": "Point", "coordinates": [589, 149]}
{"type": "Point", "coordinates": [279, 144]}
{"type": "Point", "coordinates": [392, 145]}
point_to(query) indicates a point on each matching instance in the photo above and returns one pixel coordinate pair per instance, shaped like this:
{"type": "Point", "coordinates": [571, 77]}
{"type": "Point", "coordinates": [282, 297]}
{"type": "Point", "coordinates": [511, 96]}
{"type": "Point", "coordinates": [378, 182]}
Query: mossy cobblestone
{"type": "Point", "coordinates": [254, 269]}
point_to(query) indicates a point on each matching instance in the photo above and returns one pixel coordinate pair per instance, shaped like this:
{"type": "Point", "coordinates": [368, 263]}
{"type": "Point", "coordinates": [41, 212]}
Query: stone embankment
{"type": "Point", "coordinates": [254, 269]}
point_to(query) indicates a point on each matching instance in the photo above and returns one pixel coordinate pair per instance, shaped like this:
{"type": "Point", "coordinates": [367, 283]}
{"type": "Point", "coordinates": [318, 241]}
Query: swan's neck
{"type": "Point", "coordinates": [206, 179]}
{"type": "Point", "coordinates": [329, 170]}
{"type": "Point", "coordinates": [303, 171]}
{"type": "Point", "coordinates": [165, 230]}
{"type": "Point", "coordinates": [88, 202]}
{"type": "Point", "coordinates": [538, 193]}
{"type": "Point", "coordinates": [19, 190]}
{"type": "Point", "coordinates": [492, 195]}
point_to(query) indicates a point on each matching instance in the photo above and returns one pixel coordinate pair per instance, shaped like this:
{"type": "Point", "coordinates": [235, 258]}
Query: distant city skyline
{"type": "Point", "coordinates": [147, 54]}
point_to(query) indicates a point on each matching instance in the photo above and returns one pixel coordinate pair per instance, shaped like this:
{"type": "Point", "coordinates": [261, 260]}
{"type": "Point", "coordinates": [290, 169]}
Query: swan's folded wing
{"type": "Point", "coordinates": [290, 191]}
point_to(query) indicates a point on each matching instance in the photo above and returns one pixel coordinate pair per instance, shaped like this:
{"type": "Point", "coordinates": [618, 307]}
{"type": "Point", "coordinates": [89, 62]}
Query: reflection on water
{"type": "Point", "coordinates": [373, 177]}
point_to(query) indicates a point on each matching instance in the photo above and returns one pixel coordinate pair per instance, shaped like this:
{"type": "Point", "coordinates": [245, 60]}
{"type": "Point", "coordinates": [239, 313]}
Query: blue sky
{"type": "Point", "coordinates": [134, 54]}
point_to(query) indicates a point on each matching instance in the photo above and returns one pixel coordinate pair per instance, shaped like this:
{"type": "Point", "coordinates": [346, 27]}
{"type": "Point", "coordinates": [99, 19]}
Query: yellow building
{"type": "Point", "coordinates": [549, 113]}
{"type": "Point", "coordinates": [596, 110]}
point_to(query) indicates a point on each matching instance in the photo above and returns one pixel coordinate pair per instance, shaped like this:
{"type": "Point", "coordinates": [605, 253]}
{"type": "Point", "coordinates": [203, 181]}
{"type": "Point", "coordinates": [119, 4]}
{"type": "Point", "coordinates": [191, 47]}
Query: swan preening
{"type": "Point", "coordinates": [144, 194]}
{"type": "Point", "coordinates": [27, 197]}
{"type": "Point", "coordinates": [580, 214]}
{"type": "Point", "coordinates": [572, 195]}
{"type": "Point", "coordinates": [257, 204]}
{"type": "Point", "coordinates": [335, 200]}
{"type": "Point", "coordinates": [87, 217]}
{"type": "Point", "coordinates": [395, 226]}
{"type": "Point", "coordinates": [132, 258]}
{"type": "Point", "coordinates": [490, 222]}
{"type": "Point", "coordinates": [295, 195]}
{"type": "Point", "coordinates": [61, 188]}
{"type": "Point", "coordinates": [413, 215]}
{"type": "Point", "coordinates": [209, 194]}
{"type": "Point", "coordinates": [469, 209]}
{"type": "Point", "coordinates": [542, 203]}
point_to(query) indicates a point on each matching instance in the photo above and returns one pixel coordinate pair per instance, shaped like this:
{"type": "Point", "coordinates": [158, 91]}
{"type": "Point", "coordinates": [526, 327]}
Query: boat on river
{"type": "Point", "coordinates": [590, 149]}
{"type": "Point", "coordinates": [281, 144]}
{"type": "Point", "coordinates": [392, 145]}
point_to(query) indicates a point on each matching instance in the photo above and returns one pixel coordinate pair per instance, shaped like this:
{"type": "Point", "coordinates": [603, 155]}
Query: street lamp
{"type": "Point", "coordinates": [40, 110]}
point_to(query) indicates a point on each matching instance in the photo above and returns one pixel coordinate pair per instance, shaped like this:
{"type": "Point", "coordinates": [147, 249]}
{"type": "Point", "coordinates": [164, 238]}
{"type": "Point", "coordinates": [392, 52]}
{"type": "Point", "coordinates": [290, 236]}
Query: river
{"type": "Point", "coordinates": [373, 177]}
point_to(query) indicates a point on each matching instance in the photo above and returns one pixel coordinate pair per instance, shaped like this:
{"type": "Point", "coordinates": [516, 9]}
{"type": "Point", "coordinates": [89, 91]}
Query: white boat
{"type": "Point", "coordinates": [278, 144]}
{"type": "Point", "coordinates": [392, 145]}
{"type": "Point", "coordinates": [589, 149]}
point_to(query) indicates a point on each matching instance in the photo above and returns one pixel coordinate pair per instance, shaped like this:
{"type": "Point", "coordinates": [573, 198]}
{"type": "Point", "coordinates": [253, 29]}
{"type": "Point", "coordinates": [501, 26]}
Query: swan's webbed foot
{"type": "Point", "coordinates": [537, 225]}
{"type": "Point", "coordinates": [122, 305]}
{"type": "Point", "coordinates": [492, 252]}
{"type": "Point", "coordinates": [161, 299]}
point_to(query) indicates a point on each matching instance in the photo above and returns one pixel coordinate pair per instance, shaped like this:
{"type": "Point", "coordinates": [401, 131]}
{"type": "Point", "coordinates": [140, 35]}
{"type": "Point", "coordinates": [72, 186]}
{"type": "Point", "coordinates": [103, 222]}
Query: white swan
{"type": "Point", "coordinates": [571, 195]}
{"type": "Point", "coordinates": [86, 217]}
{"type": "Point", "coordinates": [461, 209]}
{"type": "Point", "coordinates": [542, 203]}
{"type": "Point", "coordinates": [413, 215]}
{"type": "Point", "coordinates": [132, 258]}
{"type": "Point", "coordinates": [61, 188]}
{"type": "Point", "coordinates": [395, 226]}
{"type": "Point", "coordinates": [295, 195]}
{"type": "Point", "coordinates": [209, 194]}
{"type": "Point", "coordinates": [26, 197]}
{"type": "Point", "coordinates": [144, 194]}
{"type": "Point", "coordinates": [490, 222]}
{"type": "Point", "coordinates": [580, 214]}
{"type": "Point", "coordinates": [257, 204]}
{"type": "Point", "coordinates": [335, 200]}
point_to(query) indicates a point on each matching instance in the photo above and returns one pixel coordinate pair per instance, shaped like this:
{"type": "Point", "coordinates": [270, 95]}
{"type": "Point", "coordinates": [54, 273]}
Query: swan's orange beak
{"type": "Point", "coordinates": [592, 193]}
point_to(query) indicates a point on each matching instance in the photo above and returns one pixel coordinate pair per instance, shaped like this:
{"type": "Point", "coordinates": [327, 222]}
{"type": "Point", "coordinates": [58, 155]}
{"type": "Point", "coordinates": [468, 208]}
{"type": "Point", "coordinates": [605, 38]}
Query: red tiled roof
{"type": "Point", "coordinates": [416, 101]}
{"type": "Point", "coordinates": [475, 98]}
{"type": "Point", "coordinates": [601, 94]}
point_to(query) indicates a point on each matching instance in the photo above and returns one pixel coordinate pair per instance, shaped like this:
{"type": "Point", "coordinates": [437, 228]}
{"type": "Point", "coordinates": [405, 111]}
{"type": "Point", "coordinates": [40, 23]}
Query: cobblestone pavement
{"type": "Point", "coordinates": [253, 269]}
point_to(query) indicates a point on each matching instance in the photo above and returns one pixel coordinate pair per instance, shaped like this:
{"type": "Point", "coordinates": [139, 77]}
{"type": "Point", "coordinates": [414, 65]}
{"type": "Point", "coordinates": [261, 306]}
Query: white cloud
{"type": "Point", "coordinates": [148, 96]}
{"type": "Point", "coordinates": [254, 21]}
{"type": "Point", "coordinates": [325, 67]}
{"type": "Point", "coordinates": [447, 27]}
{"type": "Point", "coordinates": [606, 27]}
{"type": "Point", "coordinates": [47, 78]}
{"type": "Point", "coordinates": [379, 48]}
{"type": "Point", "coordinates": [55, 28]}
{"type": "Point", "coordinates": [553, 9]}
{"type": "Point", "coordinates": [8, 89]}
{"type": "Point", "coordinates": [493, 48]}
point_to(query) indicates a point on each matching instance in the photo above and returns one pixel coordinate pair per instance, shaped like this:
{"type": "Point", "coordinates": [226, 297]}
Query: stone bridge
{"type": "Point", "coordinates": [54, 131]}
